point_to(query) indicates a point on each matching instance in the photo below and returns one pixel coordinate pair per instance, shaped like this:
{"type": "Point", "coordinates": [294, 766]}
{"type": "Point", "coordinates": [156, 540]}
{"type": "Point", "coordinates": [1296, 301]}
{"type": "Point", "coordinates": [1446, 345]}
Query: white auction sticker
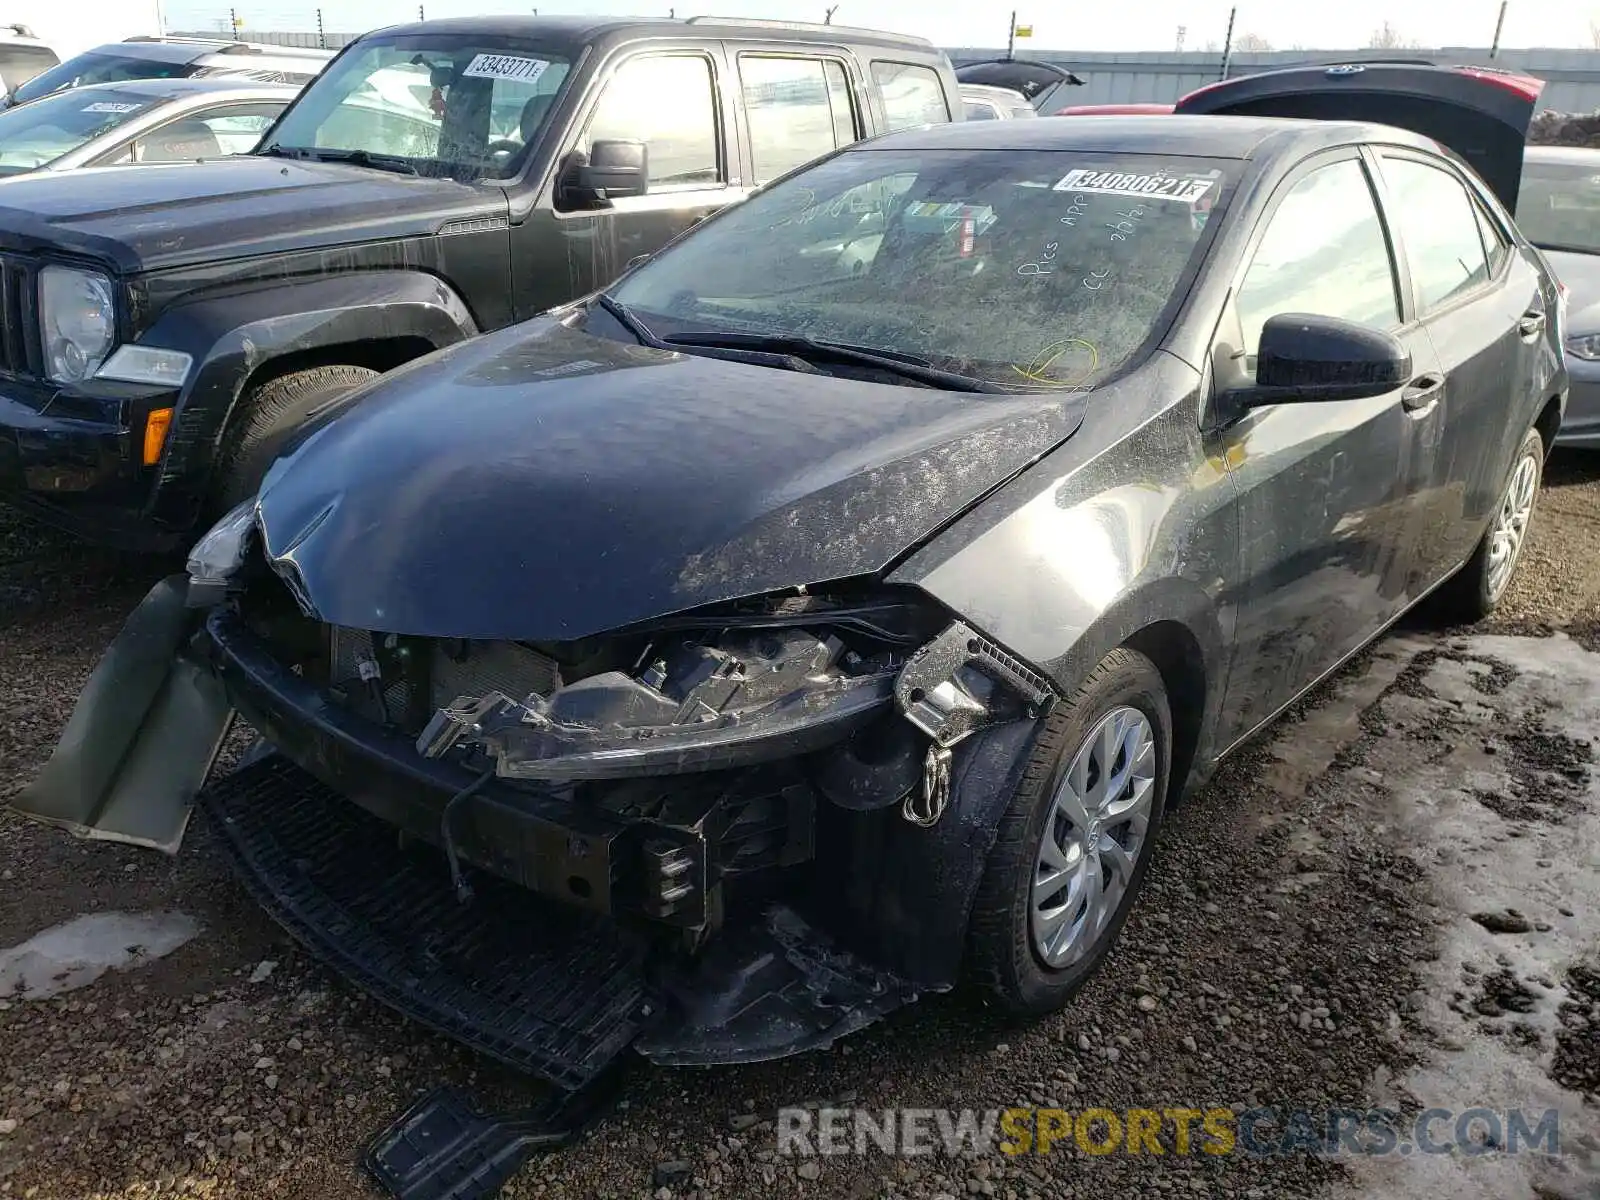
{"type": "Point", "coordinates": [108, 106]}
{"type": "Point", "coordinates": [1122, 183]}
{"type": "Point", "coordinates": [505, 66]}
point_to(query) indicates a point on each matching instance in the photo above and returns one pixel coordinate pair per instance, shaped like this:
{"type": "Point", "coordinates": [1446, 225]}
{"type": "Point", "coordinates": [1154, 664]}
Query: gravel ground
{"type": "Point", "coordinates": [1288, 950]}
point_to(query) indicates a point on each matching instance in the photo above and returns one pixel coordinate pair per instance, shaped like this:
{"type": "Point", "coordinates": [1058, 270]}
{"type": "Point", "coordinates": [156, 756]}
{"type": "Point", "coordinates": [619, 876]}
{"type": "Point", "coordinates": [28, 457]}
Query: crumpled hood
{"type": "Point", "coordinates": [543, 484]}
{"type": "Point", "coordinates": [145, 218]}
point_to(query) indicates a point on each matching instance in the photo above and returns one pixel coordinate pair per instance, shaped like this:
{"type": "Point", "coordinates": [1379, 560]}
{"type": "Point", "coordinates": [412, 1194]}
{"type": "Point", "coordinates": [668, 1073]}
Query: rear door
{"type": "Point", "coordinates": [1482, 305]}
{"type": "Point", "coordinates": [797, 106]}
{"type": "Point", "coordinates": [1479, 114]}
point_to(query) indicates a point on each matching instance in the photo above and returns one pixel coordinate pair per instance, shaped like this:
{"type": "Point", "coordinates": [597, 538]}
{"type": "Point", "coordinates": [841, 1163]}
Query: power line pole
{"type": "Point", "coordinates": [1011, 37]}
{"type": "Point", "coordinates": [1499, 25]}
{"type": "Point", "coordinates": [322, 38]}
{"type": "Point", "coordinates": [1227, 43]}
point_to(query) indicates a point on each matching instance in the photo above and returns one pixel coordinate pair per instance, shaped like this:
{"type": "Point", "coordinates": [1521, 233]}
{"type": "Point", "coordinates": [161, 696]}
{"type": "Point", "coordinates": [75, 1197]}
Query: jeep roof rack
{"type": "Point", "coordinates": [800, 27]}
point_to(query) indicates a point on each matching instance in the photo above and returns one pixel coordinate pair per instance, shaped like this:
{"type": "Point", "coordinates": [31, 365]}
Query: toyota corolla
{"type": "Point", "coordinates": [830, 611]}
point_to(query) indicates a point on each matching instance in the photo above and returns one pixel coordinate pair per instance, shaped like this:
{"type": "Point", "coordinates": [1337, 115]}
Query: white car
{"type": "Point", "coordinates": [175, 58]}
{"type": "Point", "coordinates": [141, 120]}
{"type": "Point", "coordinates": [22, 56]}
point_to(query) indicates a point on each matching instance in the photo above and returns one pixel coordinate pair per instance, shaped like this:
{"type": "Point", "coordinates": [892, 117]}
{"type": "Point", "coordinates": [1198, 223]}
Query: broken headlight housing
{"type": "Point", "coordinates": [216, 558]}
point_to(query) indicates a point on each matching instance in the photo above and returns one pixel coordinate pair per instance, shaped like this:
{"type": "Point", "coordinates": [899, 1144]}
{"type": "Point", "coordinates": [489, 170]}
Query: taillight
{"type": "Point", "coordinates": [1562, 294]}
{"type": "Point", "coordinates": [1525, 86]}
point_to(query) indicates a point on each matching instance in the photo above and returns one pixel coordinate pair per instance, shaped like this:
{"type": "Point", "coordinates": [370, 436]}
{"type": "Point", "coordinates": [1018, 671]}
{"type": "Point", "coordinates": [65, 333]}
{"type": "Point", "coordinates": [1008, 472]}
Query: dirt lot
{"type": "Point", "coordinates": [1307, 939]}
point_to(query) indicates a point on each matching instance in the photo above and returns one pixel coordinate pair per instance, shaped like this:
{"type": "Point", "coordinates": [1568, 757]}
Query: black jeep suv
{"type": "Point", "coordinates": [166, 327]}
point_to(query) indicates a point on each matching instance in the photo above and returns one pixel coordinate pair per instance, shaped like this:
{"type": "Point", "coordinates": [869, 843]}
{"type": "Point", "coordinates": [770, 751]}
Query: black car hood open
{"type": "Point", "coordinates": [142, 218]}
{"type": "Point", "coordinates": [544, 484]}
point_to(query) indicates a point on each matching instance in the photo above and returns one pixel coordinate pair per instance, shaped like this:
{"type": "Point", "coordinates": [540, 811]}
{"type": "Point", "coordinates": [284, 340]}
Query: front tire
{"type": "Point", "coordinates": [265, 419]}
{"type": "Point", "coordinates": [1475, 591]}
{"type": "Point", "coordinates": [1073, 846]}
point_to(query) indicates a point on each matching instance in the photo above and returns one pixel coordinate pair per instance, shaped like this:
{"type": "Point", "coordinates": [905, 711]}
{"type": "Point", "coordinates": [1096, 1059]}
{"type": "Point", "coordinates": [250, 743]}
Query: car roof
{"type": "Point", "coordinates": [175, 89]}
{"type": "Point", "coordinates": [1202, 137]}
{"type": "Point", "coordinates": [573, 29]}
{"type": "Point", "coordinates": [164, 52]}
{"type": "Point", "coordinates": [1577, 156]}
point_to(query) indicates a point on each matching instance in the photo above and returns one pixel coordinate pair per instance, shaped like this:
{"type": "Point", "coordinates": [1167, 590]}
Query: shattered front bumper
{"type": "Point", "coordinates": [555, 988]}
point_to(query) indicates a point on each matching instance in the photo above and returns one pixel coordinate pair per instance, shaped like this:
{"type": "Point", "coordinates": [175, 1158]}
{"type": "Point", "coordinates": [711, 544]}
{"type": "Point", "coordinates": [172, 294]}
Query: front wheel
{"type": "Point", "coordinates": [1074, 844]}
{"type": "Point", "coordinates": [265, 419]}
{"type": "Point", "coordinates": [1476, 590]}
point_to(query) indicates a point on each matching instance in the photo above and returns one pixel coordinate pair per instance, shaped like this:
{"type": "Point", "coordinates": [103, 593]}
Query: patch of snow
{"type": "Point", "coordinates": [1488, 858]}
{"type": "Point", "coordinates": [76, 953]}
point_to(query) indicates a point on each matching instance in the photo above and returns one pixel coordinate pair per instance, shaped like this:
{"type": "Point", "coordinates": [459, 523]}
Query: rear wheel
{"type": "Point", "coordinates": [1073, 846]}
{"type": "Point", "coordinates": [1476, 590]}
{"type": "Point", "coordinates": [267, 416]}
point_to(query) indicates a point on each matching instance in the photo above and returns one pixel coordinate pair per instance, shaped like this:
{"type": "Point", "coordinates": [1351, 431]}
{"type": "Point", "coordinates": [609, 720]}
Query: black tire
{"type": "Point", "coordinates": [1001, 959]}
{"type": "Point", "coordinates": [1470, 594]}
{"type": "Point", "coordinates": [265, 418]}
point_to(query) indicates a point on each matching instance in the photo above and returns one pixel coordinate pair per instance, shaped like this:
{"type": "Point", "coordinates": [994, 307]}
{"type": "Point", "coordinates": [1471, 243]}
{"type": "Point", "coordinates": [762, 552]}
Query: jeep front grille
{"type": "Point", "coordinates": [20, 352]}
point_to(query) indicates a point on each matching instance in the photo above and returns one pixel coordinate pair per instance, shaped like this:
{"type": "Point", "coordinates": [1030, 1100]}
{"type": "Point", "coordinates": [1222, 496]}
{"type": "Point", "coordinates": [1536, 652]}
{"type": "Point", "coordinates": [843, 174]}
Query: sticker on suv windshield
{"type": "Point", "coordinates": [505, 66]}
{"type": "Point", "coordinates": [1121, 183]}
{"type": "Point", "coordinates": [110, 106]}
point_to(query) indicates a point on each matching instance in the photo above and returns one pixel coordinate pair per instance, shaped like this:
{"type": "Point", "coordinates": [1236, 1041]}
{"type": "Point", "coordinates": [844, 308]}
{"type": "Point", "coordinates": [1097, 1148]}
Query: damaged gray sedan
{"type": "Point", "coordinates": [829, 612]}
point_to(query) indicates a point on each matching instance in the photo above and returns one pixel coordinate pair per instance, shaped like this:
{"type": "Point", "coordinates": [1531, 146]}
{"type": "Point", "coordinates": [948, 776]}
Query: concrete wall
{"type": "Point", "coordinates": [1572, 77]}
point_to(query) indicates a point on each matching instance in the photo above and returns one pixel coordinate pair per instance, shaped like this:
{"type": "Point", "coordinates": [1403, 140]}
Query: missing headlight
{"type": "Point", "coordinates": [744, 696]}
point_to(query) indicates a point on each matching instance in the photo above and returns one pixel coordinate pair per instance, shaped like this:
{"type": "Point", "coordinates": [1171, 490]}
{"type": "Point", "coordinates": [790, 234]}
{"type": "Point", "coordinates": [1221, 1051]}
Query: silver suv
{"type": "Point", "coordinates": [175, 58]}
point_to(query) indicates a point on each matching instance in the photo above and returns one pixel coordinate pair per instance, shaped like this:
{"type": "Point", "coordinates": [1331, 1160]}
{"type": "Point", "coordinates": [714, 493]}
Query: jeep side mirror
{"type": "Point", "coordinates": [615, 170]}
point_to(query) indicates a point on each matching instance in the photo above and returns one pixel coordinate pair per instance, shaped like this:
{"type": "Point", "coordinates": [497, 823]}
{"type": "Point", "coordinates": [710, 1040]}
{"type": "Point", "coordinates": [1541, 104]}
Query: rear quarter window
{"type": "Point", "coordinates": [911, 95]}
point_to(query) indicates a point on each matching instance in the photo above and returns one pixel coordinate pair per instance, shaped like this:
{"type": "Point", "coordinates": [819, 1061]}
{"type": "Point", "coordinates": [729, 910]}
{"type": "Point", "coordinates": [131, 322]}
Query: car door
{"type": "Point", "coordinates": [1483, 308]}
{"type": "Point", "coordinates": [1325, 491]}
{"type": "Point", "coordinates": [675, 100]}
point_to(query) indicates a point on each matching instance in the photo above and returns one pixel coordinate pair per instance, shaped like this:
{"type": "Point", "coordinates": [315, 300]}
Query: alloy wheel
{"type": "Point", "coordinates": [1090, 846]}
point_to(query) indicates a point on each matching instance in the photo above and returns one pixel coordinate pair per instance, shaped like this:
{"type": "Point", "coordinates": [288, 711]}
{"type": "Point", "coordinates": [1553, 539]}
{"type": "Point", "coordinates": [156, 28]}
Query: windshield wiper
{"type": "Point", "coordinates": [907, 366]}
{"type": "Point", "coordinates": [358, 158]}
{"type": "Point", "coordinates": [628, 321]}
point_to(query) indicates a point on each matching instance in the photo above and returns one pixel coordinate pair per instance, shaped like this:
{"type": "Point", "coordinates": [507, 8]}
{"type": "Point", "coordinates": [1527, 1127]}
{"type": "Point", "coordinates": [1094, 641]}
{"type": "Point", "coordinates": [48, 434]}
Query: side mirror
{"type": "Point", "coordinates": [615, 170]}
{"type": "Point", "coordinates": [1305, 359]}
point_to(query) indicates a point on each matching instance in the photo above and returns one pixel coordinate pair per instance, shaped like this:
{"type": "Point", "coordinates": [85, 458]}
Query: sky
{"type": "Point", "coordinates": [1129, 25]}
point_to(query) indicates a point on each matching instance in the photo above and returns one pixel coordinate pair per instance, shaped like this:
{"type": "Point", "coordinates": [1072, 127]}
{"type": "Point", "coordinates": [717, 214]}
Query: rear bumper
{"type": "Point", "coordinates": [75, 461]}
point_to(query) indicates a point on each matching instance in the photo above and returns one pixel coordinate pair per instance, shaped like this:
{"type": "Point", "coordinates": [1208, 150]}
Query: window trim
{"type": "Point", "coordinates": [876, 89]}
{"type": "Point", "coordinates": [1378, 154]}
{"type": "Point", "coordinates": [857, 121]}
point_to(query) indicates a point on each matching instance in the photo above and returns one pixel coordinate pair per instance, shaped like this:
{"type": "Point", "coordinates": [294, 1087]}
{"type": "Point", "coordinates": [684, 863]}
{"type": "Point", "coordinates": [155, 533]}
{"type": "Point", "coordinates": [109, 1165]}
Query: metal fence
{"type": "Point", "coordinates": [1572, 77]}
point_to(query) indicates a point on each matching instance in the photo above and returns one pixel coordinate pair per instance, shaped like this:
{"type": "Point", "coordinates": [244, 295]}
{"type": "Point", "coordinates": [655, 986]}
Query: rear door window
{"type": "Point", "coordinates": [1323, 252]}
{"type": "Point", "coordinates": [1439, 224]}
{"type": "Point", "coordinates": [911, 95]}
{"type": "Point", "coordinates": [798, 109]}
{"type": "Point", "coordinates": [669, 102]}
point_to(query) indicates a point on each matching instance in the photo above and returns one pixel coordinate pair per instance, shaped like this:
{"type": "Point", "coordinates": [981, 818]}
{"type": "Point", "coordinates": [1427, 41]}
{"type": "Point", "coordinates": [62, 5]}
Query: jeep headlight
{"type": "Point", "coordinates": [217, 557]}
{"type": "Point", "coordinates": [77, 318]}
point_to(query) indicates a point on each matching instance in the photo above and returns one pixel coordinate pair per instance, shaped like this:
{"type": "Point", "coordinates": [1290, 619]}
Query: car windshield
{"type": "Point", "coordinates": [37, 134]}
{"type": "Point", "coordinates": [1039, 269]}
{"type": "Point", "coordinates": [86, 70]}
{"type": "Point", "coordinates": [457, 106]}
{"type": "Point", "coordinates": [1559, 205]}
